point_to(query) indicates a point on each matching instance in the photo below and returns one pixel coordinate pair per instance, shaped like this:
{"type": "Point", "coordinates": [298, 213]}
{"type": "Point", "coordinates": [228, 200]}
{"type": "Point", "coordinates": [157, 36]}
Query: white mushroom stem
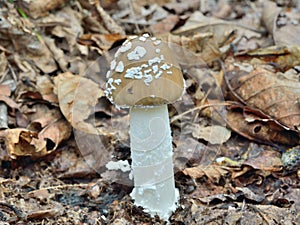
{"type": "Point", "coordinates": [152, 164]}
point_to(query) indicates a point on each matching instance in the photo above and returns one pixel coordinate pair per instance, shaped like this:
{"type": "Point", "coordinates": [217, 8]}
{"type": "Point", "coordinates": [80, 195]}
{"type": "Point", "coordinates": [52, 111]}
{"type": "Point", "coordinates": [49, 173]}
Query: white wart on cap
{"type": "Point", "coordinates": [144, 73]}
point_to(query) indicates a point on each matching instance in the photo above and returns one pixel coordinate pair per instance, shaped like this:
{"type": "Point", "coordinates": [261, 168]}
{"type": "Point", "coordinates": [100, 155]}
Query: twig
{"type": "Point", "coordinates": [13, 74]}
{"type": "Point", "coordinates": [201, 107]}
{"type": "Point", "coordinates": [62, 187]}
{"type": "Point", "coordinates": [3, 76]}
{"type": "Point", "coordinates": [134, 17]}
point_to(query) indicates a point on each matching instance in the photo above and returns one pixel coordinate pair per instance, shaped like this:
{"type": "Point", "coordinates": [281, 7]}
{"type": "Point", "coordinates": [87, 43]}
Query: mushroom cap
{"type": "Point", "coordinates": [144, 72]}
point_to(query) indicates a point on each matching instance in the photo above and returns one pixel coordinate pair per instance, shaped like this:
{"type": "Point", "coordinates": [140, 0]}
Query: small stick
{"type": "Point", "coordinates": [201, 107]}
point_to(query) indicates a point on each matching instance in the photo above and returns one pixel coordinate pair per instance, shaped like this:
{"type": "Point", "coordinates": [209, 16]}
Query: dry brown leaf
{"type": "Point", "coordinates": [11, 103]}
{"type": "Point", "coordinates": [70, 33]}
{"type": "Point", "coordinates": [256, 126]}
{"type": "Point", "coordinates": [57, 53]}
{"type": "Point", "coordinates": [111, 26]}
{"type": "Point", "coordinates": [267, 160]}
{"type": "Point", "coordinates": [274, 94]}
{"type": "Point", "coordinates": [22, 142]}
{"type": "Point", "coordinates": [282, 24]}
{"type": "Point", "coordinates": [55, 133]}
{"type": "Point", "coordinates": [40, 115]}
{"type": "Point", "coordinates": [213, 134]}
{"type": "Point", "coordinates": [182, 6]}
{"type": "Point", "coordinates": [45, 87]}
{"type": "Point", "coordinates": [147, 2]}
{"type": "Point", "coordinates": [282, 57]}
{"type": "Point", "coordinates": [5, 90]}
{"type": "Point", "coordinates": [137, 13]}
{"type": "Point", "coordinates": [213, 172]}
{"type": "Point", "coordinates": [103, 42]}
{"type": "Point", "coordinates": [38, 8]}
{"type": "Point", "coordinates": [251, 194]}
{"type": "Point", "coordinates": [165, 25]}
{"type": "Point", "coordinates": [38, 52]}
{"type": "Point", "coordinates": [77, 97]}
{"type": "Point", "coordinates": [222, 30]}
{"type": "Point", "coordinates": [23, 38]}
{"type": "Point", "coordinates": [197, 49]}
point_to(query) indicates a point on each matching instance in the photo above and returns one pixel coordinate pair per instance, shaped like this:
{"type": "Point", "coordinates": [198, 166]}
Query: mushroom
{"type": "Point", "coordinates": [145, 76]}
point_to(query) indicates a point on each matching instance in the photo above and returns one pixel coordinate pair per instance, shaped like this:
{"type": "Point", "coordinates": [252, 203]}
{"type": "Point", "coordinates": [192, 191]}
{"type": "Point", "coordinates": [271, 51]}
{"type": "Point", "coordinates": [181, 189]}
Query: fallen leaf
{"type": "Point", "coordinates": [196, 49]}
{"type": "Point", "coordinates": [255, 125]}
{"type": "Point", "coordinates": [213, 134]}
{"type": "Point", "coordinates": [5, 90]}
{"type": "Point", "coordinates": [251, 195]}
{"type": "Point", "coordinates": [45, 86]}
{"type": "Point", "coordinates": [273, 94]}
{"type": "Point", "coordinates": [38, 8]}
{"type": "Point", "coordinates": [69, 33]}
{"type": "Point", "coordinates": [55, 133]}
{"type": "Point", "coordinates": [183, 6]}
{"type": "Point", "coordinates": [267, 161]}
{"type": "Point", "coordinates": [165, 25]}
{"type": "Point", "coordinates": [77, 97]}
{"type": "Point", "coordinates": [22, 142]}
{"type": "Point", "coordinates": [57, 53]}
{"type": "Point", "coordinates": [281, 57]}
{"type": "Point", "coordinates": [281, 23]}
{"type": "Point", "coordinates": [220, 29]}
{"type": "Point", "coordinates": [213, 172]}
{"type": "Point", "coordinates": [11, 103]}
{"type": "Point", "coordinates": [103, 42]}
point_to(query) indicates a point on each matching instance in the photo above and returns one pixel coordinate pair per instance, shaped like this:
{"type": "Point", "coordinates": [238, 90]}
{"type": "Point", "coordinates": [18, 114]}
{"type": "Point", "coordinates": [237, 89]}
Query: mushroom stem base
{"type": "Point", "coordinates": [152, 164]}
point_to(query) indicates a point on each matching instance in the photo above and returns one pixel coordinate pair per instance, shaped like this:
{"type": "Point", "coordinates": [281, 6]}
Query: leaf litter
{"type": "Point", "coordinates": [235, 132]}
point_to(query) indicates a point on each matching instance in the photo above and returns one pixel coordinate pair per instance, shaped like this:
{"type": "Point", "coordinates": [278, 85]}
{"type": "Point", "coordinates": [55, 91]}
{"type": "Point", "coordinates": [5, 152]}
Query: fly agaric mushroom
{"type": "Point", "coordinates": [145, 76]}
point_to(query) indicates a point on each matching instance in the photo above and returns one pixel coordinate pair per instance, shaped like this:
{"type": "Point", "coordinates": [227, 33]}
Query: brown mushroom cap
{"type": "Point", "coordinates": [144, 73]}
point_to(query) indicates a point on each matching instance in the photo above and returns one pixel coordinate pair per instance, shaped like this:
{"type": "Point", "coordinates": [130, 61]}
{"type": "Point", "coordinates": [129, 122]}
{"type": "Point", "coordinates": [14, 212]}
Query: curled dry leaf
{"type": "Point", "coordinates": [255, 125]}
{"type": "Point", "coordinates": [24, 142]}
{"type": "Point", "coordinates": [77, 97]}
{"type": "Point", "coordinates": [273, 94]}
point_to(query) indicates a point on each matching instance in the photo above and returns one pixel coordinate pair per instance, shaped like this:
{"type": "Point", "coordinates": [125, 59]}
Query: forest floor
{"type": "Point", "coordinates": [236, 130]}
